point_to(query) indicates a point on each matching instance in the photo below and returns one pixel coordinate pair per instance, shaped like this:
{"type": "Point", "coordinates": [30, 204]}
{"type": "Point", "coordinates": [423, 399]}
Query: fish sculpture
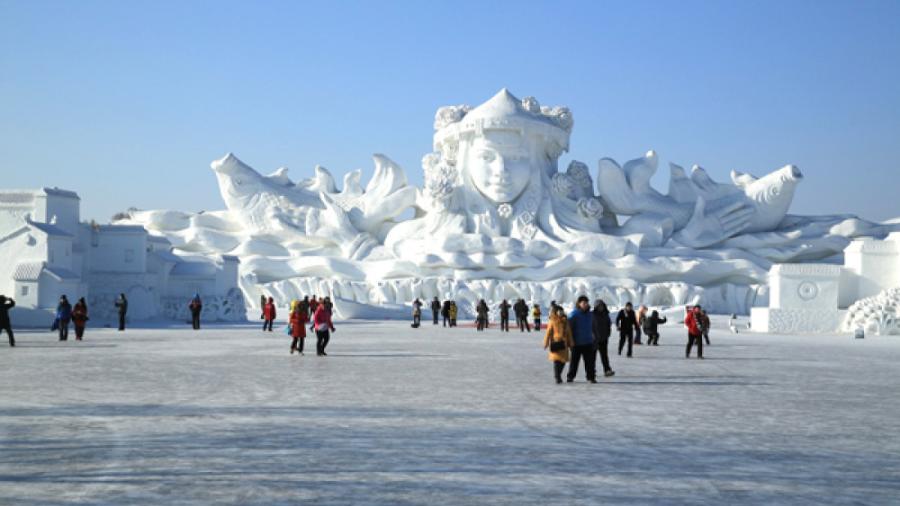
{"type": "Point", "coordinates": [703, 212]}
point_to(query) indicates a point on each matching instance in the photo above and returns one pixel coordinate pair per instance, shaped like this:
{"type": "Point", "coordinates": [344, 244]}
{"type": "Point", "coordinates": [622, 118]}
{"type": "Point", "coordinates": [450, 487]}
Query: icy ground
{"type": "Point", "coordinates": [435, 416]}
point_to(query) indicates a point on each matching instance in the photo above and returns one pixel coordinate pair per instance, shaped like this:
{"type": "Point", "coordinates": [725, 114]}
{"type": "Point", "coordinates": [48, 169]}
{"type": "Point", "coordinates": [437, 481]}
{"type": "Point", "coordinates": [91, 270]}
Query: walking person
{"type": "Point", "coordinates": [63, 315]}
{"type": "Point", "coordinates": [581, 321]}
{"type": "Point", "coordinates": [521, 310]}
{"type": "Point", "coordinates": [445, 312]}
{"type": "Point", "coordinates": [313, 306]}
{"type": "Point", "coordinates": [602, 331]}
{"type": "Point", "coordinates": [417, 313]}
{"type": "Point", "coordinates": [504, 315]}
{"type": "Point", "coordinates": [558, 342]}
{"type": "Point", "coordinates": [122, 309]}
{"type": "Point", "coordinates": [195, 306]}
{"type": "Point", "coordinates": [704, 325]}
{"type": "Point", "coordinates": [435, 309]}
{"type": "Point", "coordinates": [640, 315]}
{"type": "Point", "coordinates": [262, 307]}
{"type": "Point", "coordinates": [695, 333]}
{"type": "Point", "coordinates": [481, 315]}
{"type": "Point", "coordinates": [80, 318]}
{"type": "Point", "coordinates": [536, 315]}
{"type": "Point", "coordinates": [323, 327]}
{"type": "Point", "coordinates": [651, 325]}
{"type": "Point", "coordinates": [5, 305]}
{"type": "Point", "coordinates": [453, 311]}
{"type": "Point", "coordinates": [626, 322]}
{"type": "Point", "coordinates": [298, 323]}
{"type": "Point", "coordinates": [269, 314]}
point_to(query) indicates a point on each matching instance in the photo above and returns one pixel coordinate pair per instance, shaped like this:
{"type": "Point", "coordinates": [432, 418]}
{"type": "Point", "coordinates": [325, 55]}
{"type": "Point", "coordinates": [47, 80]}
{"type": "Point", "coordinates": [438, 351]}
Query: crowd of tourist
{"type": "Point", "coordinates": [572, 338]}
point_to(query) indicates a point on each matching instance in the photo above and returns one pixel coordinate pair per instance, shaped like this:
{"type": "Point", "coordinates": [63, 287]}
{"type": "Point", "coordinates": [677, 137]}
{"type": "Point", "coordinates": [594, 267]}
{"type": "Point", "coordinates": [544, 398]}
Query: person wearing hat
{"type": "Point", "coordinates": [5, 305]}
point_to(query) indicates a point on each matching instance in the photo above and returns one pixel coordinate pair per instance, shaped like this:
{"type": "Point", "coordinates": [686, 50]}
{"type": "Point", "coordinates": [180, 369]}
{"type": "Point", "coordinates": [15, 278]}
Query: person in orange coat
{"type": "Point", "coordinates": [559, 332]}
{"type": "Point", "coordinates": [298, 329]}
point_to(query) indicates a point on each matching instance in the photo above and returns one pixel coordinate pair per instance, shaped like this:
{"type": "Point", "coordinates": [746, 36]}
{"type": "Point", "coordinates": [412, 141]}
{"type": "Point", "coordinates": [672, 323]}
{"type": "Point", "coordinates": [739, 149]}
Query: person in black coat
{"type": "Point", "coordinates": [651, 330]}
{"type": "Point", "coordinates": [435, 309]}
{"type": "Point", "coordinates": [521, 310]}
{"type": "Point", "coordinates": [504, 316]}
{"type": "Point", "coordinates": [602, 331]}
{"type": "Point", "coordinates": [5, 306]}
{"type": "Point", "coordinates": [122, 307]}
{"type": "Point", "coordinates": [445, 312]}
{"type": "Point", "coordinates": [626, 322]}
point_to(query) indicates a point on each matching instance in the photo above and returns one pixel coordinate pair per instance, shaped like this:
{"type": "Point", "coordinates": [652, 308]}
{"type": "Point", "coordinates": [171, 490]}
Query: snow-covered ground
{"type": "Point", "coordinates": [443, 416]}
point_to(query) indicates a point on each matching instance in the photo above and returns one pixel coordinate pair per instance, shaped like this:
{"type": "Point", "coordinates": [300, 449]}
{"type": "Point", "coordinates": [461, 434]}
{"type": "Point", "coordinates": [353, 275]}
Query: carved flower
{"type": "Point", "coordinates": [563, 118]}
{"type": "Point", "coordinates": [590, 207]}
{"type": "Point", "coordinates": [448, 115]}
{"type": "Point", "coordinates": [561, 183]}
{"type": "Point", "coordinates": [529, 230]}
{"type": "Point", "coordinates": [504, 211]}
{"type": "Point", "coordinates": [440, 177]}
{"type": "Point", "coordinates": [579, 173]}
{"type": "Point", "coordinates": [531, 105]}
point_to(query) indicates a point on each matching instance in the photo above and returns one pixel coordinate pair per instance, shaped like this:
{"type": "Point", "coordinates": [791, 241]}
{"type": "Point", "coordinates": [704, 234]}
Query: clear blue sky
{"type": "Point", "coordinates": [128, 102]}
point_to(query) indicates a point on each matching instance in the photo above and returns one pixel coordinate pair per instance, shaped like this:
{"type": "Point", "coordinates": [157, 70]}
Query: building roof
{"type": "Point", "coordinates": [166, 256]}
{"type": "Point", "coordinates": [31, 271]}
{"type": "Point", "coordinates": [59, 192]}
{"type": "Point", "coordinates": [61, 273]}
{"type": "Point", "coordinates": [121, 229]}
{"type": "Point", "coordinates": [50, 229]}
{"type": "Point", "coordinates": [28, 271]}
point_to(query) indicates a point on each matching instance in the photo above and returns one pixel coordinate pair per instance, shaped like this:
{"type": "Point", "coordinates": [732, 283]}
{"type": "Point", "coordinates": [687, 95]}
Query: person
{"type": "Point", "coordinates": [122, 307]}
{"type": "Point", "coordinates": [79, 318]}
{"type": "Point", "coordinates": [262, 307]}
{"type": "Point", "coordinates": [695, 334]}
{"type": "Point", "coordinates": [63, 315]}
{"type": "Point", "coordinates": [651, 330]}
{"type": "Point", "coordinates": [5, 305]}
{"type": "Point", "coordinates": [602, 330]}
{"type": "Point", "coordinates": [536, 314]}
{"type": "Point", "coordinates": [313, 305]}
{"type": "Point", "coordinates": [323, 327]}
{"type": "Point", "coordinates": [553, 306]}
{"type": "Point", "coordinates": [445, 312]}
{"type": "Point", "coordinates": [304, 304]}
{"type": "Point", "coordinates": [195, 306]}
{"type": "Point", "coordinates": [481, 318]}
{"type": "Point", "coordinates": [298, 328]}
{"type": "Point", "coordinates": [329, 306]}
{"type": "Point", "coordinates": [626, 322]}
{"type": "Point", "coordinates": [269, 314]}
{"type": "Point", "coordinates": [640, 315]}
{"type": "Point", "coordinates": [453, 311]}
{"type": "Point", "coordinates": [417, 313]}
{"type": "Point", "coordinates": [704, 325]}
{"type": "Point", "coordinates": [521, 310]}
{"type": "Point", "coordinates": [558, 331]}
{"type": "Point", "coordinates": [504, 315]}
{"type": "Point", "coordinates": [581, 320]}
{"type": "Point", "coordinates": [435, 309]}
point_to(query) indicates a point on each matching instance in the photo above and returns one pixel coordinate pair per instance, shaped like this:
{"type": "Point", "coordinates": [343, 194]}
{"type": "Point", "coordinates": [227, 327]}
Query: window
{"type": "Point", "coordinates": [24, 291]}
{"type": "Point", "coordinates": [129, 256]}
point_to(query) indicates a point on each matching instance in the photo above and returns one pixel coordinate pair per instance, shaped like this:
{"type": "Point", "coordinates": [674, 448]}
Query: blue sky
{"type": "Point", "coordinates": [128, 102]}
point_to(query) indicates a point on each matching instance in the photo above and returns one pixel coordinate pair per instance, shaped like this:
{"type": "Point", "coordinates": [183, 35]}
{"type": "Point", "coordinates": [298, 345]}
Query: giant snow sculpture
{"type": "Point", "coordinates": [496, 219]}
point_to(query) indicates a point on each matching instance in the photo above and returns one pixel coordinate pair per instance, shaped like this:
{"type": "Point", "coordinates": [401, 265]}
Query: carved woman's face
{"type": "Point", "coordinates": [500, 165]}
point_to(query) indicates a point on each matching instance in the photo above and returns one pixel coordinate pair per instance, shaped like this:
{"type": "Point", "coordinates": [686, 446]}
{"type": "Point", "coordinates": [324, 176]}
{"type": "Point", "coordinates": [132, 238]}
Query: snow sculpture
{"type": "Point", "coordinates": [496, 219]}
{"type": "Point", "coordinates": [879, 315]}
{"type": "Point", "coordinates": [802, 298]}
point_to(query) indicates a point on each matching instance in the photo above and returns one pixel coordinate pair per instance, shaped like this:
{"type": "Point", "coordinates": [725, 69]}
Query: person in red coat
{"type": "Point", "coordinates": [79, 318]}
{"type": "Point", "coordinates": [323, 327]}
{"type": "Point", "coordinates": [298, 329]}
{"type": "Point", "coordinates": [693, 322]}
{"type": "Point", "coordinates": [268, 314]}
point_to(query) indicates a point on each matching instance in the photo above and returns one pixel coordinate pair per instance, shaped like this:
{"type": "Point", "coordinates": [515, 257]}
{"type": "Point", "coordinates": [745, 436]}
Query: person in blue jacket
{"type": "Point", "coordinates": [63, 316]}
{"type": "Point", "coordinates": [581, 321]}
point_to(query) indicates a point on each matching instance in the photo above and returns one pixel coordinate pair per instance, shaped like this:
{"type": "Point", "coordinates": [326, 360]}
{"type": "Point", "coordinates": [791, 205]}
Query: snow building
{"type": "Point", "coordinates": [46, 251]}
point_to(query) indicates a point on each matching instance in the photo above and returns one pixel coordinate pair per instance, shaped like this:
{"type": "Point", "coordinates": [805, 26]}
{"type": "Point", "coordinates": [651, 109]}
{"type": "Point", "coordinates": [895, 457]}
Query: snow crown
{"type": "Point", "coordinates": [504, 112]}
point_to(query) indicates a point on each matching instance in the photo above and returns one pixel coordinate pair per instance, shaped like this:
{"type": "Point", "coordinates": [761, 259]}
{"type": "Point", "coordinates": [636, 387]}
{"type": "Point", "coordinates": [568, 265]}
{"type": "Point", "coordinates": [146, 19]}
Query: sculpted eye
{"type": "Point", "coordinates": [238, 182]}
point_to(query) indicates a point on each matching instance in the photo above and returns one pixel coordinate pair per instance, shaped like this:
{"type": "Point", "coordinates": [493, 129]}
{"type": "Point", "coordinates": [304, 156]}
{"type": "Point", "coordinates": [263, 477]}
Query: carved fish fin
{"type": "Point", "coordinates": [742, 179]}
{"type": "Point", "coordinates": [640, 170]}
{"type": "Point", "coordinates": [681, 188]}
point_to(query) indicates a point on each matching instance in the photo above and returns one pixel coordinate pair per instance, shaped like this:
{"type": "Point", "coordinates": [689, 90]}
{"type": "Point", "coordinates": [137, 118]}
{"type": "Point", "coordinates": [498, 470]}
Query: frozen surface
{"type": "Point", "coordinates": [438, 416]}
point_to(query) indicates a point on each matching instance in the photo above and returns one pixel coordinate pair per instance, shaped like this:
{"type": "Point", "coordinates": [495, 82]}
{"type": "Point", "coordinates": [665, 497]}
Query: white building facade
{"type": "Point", "coordinates": [46, 252]}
